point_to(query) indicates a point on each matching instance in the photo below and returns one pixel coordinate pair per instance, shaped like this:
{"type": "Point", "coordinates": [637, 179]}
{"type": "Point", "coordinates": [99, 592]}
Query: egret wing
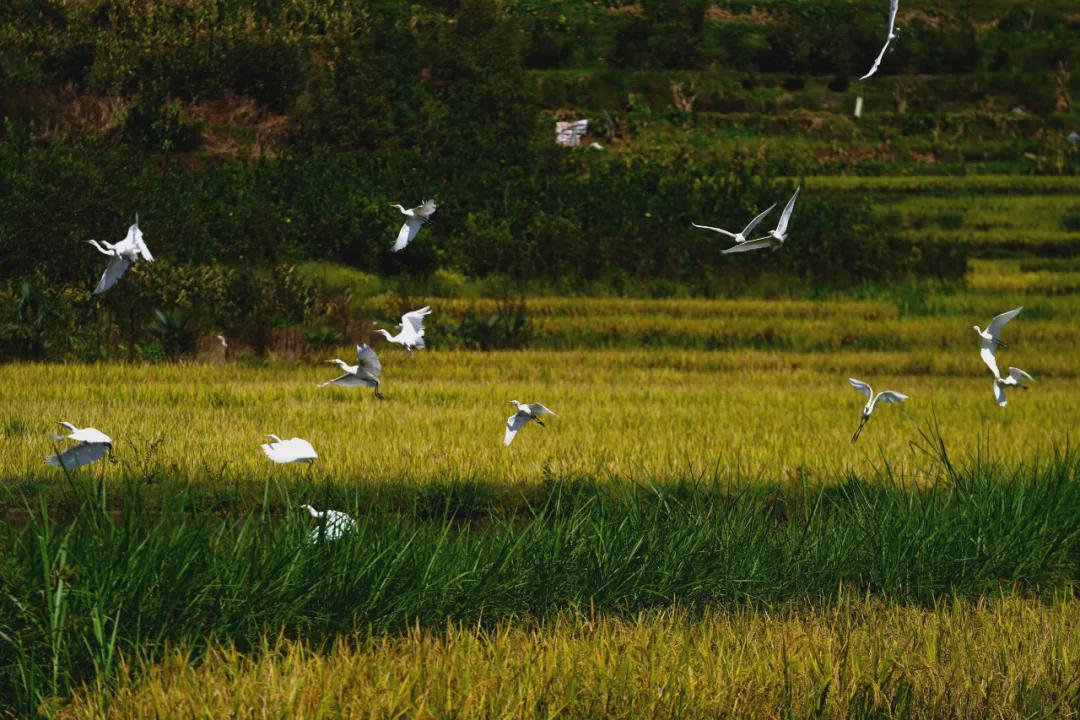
{"type": "Point", "coordinates": [538, 409]}
{"type": "Point", "coordinates": [891, 396]}
{"type": "Point", "coordinates": [90, 435]}
{"type": "Point", "coordinates": [407, 233]}
{"type": "Point", "coordinates": [338, 524]}
{"type": "Point", "coordinates": [894, 7]}
{"type": "Point", "coordinates": [877, 61]}
{"type": "Point", "coordinates": [1000, 321]}
{"type": "Point", "coordinates": [999, 394]}
{"type": "Point", "coordinates": [862, 387]}
{"type": "Point", "coordinates": [368, 360]}
{"type": "Point", "coordinates": [143, 250]}
{"type": "Point", "coordinates": [302, 449]}
{"type": "Point", "coordinates": [759, 244]}
{"type": "Point", "coordinates": [79, 455]}
{"type": "Point", "coordinates": [714, 229]}
{"type": "Point", "coordinates": [514, 423]}
{"type": "Point", "coordinates": [415, 319]}
{"type": "Point", "coordinates": [343, 380]}
{"type": "Point", "coordinates": [1017, 374]}
{"type": "Point", "coordinates": [116, 268]}
{"type": "Point", "coordinates": [987, 355]}
{"type": "Point", "coordinates": [786, 217]}
{"type": "Point", "coordinates": [757, 221]}
{"type": "Point", "coordinates": [425, 210]}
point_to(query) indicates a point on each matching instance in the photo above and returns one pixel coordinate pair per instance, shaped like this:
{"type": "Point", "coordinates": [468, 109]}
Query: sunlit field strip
{"type": "Point", "coordinates": [1004, 658]}
{"type": "Point", "coordinates": [662, 415]}
{"type": "Point", "coordinates": [966, 184]}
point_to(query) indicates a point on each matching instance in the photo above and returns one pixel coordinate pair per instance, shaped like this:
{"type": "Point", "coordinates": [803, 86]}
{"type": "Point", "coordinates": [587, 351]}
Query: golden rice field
{"type": "Point", "coordinates": [770, 401]}
{"type": "Point", "coordinates": [1000, 658]}
{"type": "Point", "coordinates": [663, 416]}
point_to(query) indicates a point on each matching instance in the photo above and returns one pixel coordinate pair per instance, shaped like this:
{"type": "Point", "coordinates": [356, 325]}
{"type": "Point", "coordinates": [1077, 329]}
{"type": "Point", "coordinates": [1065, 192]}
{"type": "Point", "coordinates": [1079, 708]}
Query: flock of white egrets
{"type": "Point", "coordinates": [92, 444]}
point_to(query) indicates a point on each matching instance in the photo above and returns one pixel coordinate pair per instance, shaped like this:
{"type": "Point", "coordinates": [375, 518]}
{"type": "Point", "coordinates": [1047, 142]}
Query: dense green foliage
{"type": "Point", "coordinates": [79, 589]}
{"type": "Point", "coordinates": [275, 133]}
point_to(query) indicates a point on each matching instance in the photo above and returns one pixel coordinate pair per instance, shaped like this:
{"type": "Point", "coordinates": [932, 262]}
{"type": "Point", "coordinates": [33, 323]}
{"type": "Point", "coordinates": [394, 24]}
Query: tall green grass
{"type": "Point", "coordinates": [82, 588]}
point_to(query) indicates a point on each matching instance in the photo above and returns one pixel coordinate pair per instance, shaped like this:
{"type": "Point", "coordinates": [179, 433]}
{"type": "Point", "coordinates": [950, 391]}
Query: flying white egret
{"type": "Point", "coordinates": [336, 524]}
{"type": "Point", "coordinates": [92, 446]}
{"type": "Point", "coordinates": [1015, 379]}
{"type": "Point", "coordinates": [412, 329]}
{"type": "Point", "coordinates": [885, 396]}
{"type": "Point", "coordinates": [894, 6]}
{"type": "Point", "coordinates": [990, 338]}
{"type": "Point", "coordinates": [776, 237]}
{"type": "Point", "coordinates": [414, 220]}
{"type": "Point", "coordinates": [293, 450]}
{"type": "Point", "coordinates": [525, 413]}
{"type": "Point", "coordinates": [740, 237]}
{"type": "Point", "coordinates": [366, 372]}
{"type": "Point", "coordinates": [122, 254]}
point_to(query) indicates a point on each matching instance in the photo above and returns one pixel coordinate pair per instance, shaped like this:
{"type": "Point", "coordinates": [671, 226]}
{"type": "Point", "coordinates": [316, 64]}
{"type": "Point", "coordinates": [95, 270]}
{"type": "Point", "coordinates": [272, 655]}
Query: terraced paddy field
{"type": "Point", "coordinates": [693, 535]}
{"type": "Point", "coordinates": [656, 390]}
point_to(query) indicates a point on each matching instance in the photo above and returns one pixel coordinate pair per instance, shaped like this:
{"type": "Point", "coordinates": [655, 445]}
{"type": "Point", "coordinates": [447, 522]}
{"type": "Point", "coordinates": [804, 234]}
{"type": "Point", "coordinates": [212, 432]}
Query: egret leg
{"type": "Point", "coordinates": [859, 430]}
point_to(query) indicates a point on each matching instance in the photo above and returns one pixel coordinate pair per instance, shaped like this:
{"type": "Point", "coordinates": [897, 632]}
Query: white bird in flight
{"type": "Point", "coordinates": [990, 338]}
{"type": "Point", "coordinates": [776, 237]}
{"type": "Point", "coordinates": [885, 396]}
{"type": "Point", "coordinates": [336, 524]}
{"type": "Point", "coordinates": [293, 450]}
{"type": "Point", "coordinates": [92, 446]}
{"type": "Point", "coordinates": [525, 413]}
{"type": "Point", "coordinates": [1015, 379]}
{"type": "Point", "coordinates": [414, 220]}
{"type": "Point", "coordinates": [122, 254]}
{"type": "Point", "coordinates": [412, 329]}
{"type": "Point", "coordinates": [894, 6]}
{"type": "Point", "coordinates": [739, 237]}
{"type": "Point", "coordinates": [367, 371]}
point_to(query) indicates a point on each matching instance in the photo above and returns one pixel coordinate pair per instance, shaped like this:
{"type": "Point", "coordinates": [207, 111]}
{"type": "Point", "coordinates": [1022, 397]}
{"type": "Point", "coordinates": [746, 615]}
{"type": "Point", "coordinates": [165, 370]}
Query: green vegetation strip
{"type": "Point", "coordinates": [965, 184]}
{"type": "Point", "coordinates": [81, 588]}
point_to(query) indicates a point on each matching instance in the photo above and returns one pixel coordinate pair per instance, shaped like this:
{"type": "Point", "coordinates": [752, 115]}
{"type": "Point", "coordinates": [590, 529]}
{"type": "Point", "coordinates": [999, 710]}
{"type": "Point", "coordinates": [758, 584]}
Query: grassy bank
{"type": "Point", "coordinates": [94, 584]}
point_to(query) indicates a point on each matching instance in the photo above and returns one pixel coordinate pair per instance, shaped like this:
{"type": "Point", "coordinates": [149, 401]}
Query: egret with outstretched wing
{"type": "Point", "coordinates": [894, 7]}
{"type": "Point", "coordinates": [412, 329]}
{"type": "Point", "coordinates": [885, 396]}
{"type": "Point", "coordinates": [121, 256]}
{"type": "Point", "coordinates": [776, 237]}
{"type": "Point", "coordinates": [414, 220]}
{"type": "Point", "coordinates": [526, 412]}
{"type": "Point", "coordinates": [990, 338]}
{"type": "Point", "coordinates": [367, 372]}
{"type": "Point", "coordinates": [1016, 379]}
{"type": "Point", "coordinates": [740, 237]}
{"type": "Point", "coordinates": [92, 445]}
